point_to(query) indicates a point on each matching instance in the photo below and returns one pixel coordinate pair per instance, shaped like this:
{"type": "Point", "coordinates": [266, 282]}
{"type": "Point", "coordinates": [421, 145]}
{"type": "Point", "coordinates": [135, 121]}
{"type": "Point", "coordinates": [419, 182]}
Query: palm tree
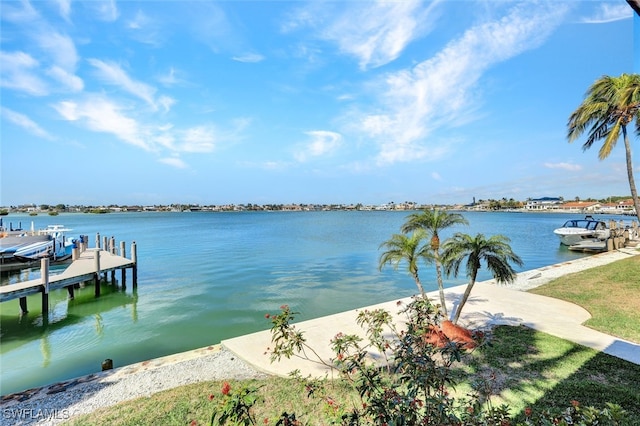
{"type": "Point", "coordinates": [432, 222]}
{"type": "Point", "coordinates": [495, 252]}
{"type": "Point", "coordinates": [611, 103]}
{"type": "Point", "coordinates": [407, 248]}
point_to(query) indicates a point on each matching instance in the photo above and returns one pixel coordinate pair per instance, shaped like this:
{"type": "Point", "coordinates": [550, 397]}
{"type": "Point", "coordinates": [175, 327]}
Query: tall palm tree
{"type": "Point", "coordinates": [495, 252]}
{"type": "Point", "coordinates": [610, 105]}
{"type": "Point", "coordinates": [409, 249]}
{"type": "Point", "coordinates": [432, 222]}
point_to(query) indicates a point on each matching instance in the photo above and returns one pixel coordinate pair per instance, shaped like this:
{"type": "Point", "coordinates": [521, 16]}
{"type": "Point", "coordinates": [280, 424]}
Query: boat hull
{"type": "Point", "coordinates": [576, 231]}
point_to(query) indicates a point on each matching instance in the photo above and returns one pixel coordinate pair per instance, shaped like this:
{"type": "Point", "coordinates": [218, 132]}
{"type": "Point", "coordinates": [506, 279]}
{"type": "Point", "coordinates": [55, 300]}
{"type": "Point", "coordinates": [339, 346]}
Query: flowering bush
{"type": "Point", "coordinates": [410, 384]}
{"type": "Point", "coordinates": [234, 405]}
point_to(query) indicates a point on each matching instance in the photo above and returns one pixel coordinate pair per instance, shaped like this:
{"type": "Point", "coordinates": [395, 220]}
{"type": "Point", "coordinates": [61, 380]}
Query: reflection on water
{"type": "Point", "coordinates": [205, 277]}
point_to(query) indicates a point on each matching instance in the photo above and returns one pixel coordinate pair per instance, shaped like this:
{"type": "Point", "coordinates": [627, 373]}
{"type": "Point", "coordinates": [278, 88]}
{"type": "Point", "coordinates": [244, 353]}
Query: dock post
{"type": "Point", "coordinates": [112, 245]}
{"type": "Point", "coordinates": [44, 270]}
{"type": "Point", "coordinates": [96, 262]}
{"type": "Point", "coordinates": [98, 240]}
{"type": "Point", "coordinates": [134, 270]}
{"type": "Point", "coordinates": [124, 270]}
{"type": "Point", "coordinates": [71, 292]}
{"type": "Point", "coordinates": [105, 245]}
{"type": "Point", "coordinates": [23, 305]}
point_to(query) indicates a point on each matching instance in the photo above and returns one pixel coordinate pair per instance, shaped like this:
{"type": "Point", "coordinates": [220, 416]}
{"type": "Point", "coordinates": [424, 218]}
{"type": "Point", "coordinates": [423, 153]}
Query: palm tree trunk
{"type": "Point", "coordinates": [465, 297]}
{"type": "Point", "coordinates": [440, 285]}
{"type": "Point", "coordinates": [632, 182]}
{"type": "Point", "coordinates": [419, 284]}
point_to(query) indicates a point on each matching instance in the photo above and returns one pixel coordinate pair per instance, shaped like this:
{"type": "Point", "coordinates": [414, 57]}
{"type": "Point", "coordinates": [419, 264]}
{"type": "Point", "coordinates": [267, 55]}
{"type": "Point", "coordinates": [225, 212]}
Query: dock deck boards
{"type": "Point", "coordinates": [80, 270]}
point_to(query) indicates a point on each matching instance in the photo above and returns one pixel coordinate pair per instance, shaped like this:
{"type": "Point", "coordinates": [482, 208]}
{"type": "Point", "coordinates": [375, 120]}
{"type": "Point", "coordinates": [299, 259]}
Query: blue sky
{"type": "Point", "coordinates": [141, 102]}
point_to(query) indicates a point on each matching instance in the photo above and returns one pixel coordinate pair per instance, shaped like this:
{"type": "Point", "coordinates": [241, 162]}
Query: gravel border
{"type": "Point", "coordinates": [56, 404]}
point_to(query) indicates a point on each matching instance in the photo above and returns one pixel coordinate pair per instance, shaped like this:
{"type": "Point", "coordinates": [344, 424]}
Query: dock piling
{"type": "Point", "coordinates": [134, 268]}
{"type": "Point", "coordinates": [44, 270]}
{"type": "Point", "coordinates": [96, 262]}
{"type": "Point", "coordinates": [124, 271]}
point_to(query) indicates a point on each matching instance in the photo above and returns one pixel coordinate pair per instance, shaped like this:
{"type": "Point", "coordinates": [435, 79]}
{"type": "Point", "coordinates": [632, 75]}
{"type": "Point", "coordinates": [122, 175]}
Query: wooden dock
{"type": "Point", "coordinates": [87, 265]}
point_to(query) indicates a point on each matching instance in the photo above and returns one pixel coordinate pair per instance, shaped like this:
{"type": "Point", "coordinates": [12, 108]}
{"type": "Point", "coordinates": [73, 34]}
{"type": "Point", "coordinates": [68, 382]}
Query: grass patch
{"type": "Point", "coordinates": [186, 404]}
{"type": "Point", "coordinates": [537, 370]}
{"type": "Point", "coordinates": [611, 294]}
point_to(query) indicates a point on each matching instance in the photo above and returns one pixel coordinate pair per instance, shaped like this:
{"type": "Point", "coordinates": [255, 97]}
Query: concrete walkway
{"type": "Point", "coordinates": [489, 304]}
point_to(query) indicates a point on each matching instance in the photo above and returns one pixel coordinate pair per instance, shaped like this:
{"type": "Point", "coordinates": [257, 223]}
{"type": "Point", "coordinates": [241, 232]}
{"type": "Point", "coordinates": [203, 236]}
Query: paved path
{"type": "Point", "coordinates": [489, 304]}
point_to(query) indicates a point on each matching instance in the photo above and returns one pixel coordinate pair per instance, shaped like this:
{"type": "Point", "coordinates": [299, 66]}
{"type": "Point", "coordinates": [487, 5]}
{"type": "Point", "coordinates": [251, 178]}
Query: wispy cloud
{"type": "Point", "coordinates": [59, 47]}
{"type": "Point", "coordinates": [98, 113]}
{"type": "Point", "coordinates": [71, 81]}
{"type": "Point", "coordinates": [55, 55]}
{"type": "Point", "coordinates": [174, 162]}
{"type": "Point", "coordinates": [19, 72]}
{"type": "Point", "coordinates": [101, 115]}
{"type": "Point", "coordinates": [322, 143]}
{"type": "Point", "coordinates": [107, 10]}
{"type": "Point", "coordinates": [564, 166]}
{"type": "Point", "coordinates": [249, 58]}
{"type": "Point", "coordinates": [441, 92]}
{"type": "Point", "coordinates": [65, 8]}
{"type": "Point", "coordinates": [375, 33]}
{"type": "Point", "coordinates": [112, 73]}
{"type": "Point", "coordinates": [609, 12]}
{"type": "Point", "coordinates": [26, 123]}
{"type": "Point", "coordinates": [144, 29]}
{"type": "Point", "coordinates": [197, 139]}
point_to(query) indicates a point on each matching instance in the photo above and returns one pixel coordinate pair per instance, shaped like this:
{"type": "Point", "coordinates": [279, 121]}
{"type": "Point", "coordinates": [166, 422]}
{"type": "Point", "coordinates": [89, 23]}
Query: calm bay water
{"type": "Point", "coordinates": [205, 277]}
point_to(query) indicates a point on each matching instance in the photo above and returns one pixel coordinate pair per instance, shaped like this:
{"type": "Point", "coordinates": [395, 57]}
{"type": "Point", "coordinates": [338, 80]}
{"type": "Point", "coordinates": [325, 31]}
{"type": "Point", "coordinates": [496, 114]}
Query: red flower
{"type": "Point", "coordinates": [267, 316]}
{"type": "Point", "coordinates": [211, 397]}
{"type": "Point", "coordinates": [284, 307]}
{"type": "Point", "coordinates": [265, 421]}
{"type": "Point", "coordinates": [226, 387]}
{"type": "Point", "coordinates": [193, 423]}
{"type": "Point", "coordinates": [575, 403]}
{"type": "Point", "coordinates": [528, 411]}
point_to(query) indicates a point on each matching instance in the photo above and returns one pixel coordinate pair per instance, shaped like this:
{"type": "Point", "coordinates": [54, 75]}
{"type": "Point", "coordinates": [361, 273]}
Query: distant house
{"type": "Point", "coordinates": [620, 207]}
{"type": "Point", "coordinates": [581, 206]}
{"type": "Point", "coordinates": [544, 203]}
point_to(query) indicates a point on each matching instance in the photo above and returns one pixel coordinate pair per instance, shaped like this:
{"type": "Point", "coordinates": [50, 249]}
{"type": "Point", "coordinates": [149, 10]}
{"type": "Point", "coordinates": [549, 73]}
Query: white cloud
{"type": "Point", "coordinates": [26, 123]}
{"type": "Point", "coordinates": [436, 176]}
{"type": "Point", "coordinates": [375, 33]}
{"type": "Point", "coordinates": [609, 12]}
{"type": "Point", "coordinates": [197, 139]}
{"type": "Point", "coordinates": [144, 29]}
{"type": "Point", "coordinates": [174, 162]}
{"type": "Point", "coordinates": [170, 78]}
{"type": "Point", "coordinates": [441, 91]}
{"type": "Point", "coordinates": [72, 82]}
{"type": "Point", "coordinates": [564, 166]}
{"type": "Point", "coordinates": [18, 72]}
{"type": "Point", "coordinates": [322, 143]}
{"type": "Point", "coordinates": [65, 8]}
{"type": "Point", "coordinates": [249, 58]}
{"type": "Point", "coordinates": [101, 115]}
{"type": "Point", "coordinates": [60, 48]}
{"type": "Point", "coordinates": [114, 74]}
{"type": "Point", "coordinates": [106, 9]}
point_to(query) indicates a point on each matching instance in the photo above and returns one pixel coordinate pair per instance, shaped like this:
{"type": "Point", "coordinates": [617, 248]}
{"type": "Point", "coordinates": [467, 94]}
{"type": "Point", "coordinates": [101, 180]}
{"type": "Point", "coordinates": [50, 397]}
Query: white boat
{"type": "Point", "coordinates": [55, 246]}
{"type": "Point", "coordinates": [577, 230]}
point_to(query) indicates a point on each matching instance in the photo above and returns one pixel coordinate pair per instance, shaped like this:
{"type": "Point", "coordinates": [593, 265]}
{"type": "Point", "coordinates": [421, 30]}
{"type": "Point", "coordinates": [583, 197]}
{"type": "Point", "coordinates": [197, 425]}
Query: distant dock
{"type": "Point", "coordinates": [87, 265]}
